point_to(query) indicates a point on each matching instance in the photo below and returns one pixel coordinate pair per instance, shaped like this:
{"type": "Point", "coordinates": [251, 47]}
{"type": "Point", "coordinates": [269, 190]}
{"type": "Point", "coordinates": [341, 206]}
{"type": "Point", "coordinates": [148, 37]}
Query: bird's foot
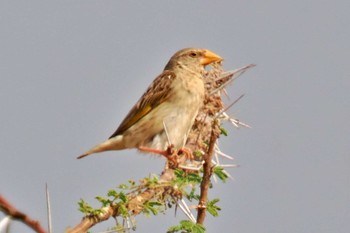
{"type": "Point", "coordinates": [186, 152]}
{"type": "Point", "coordinates": [178, 158]}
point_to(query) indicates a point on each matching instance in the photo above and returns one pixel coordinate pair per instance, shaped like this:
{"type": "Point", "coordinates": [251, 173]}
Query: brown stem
{"type": "Point", "coordinates": [134, 205]}
{"type": "Point", "coordinates": [207, 172]}
{"type": "Point", "coordinates": [10, 210]}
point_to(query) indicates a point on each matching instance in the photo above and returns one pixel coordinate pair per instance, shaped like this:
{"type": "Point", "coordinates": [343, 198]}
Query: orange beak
{"type": "Point", "coordinates": [209, 57]}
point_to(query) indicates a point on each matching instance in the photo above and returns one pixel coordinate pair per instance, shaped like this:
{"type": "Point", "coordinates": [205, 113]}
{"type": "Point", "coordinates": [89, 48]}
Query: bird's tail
{"type": "Point", "coordinates": [114, 143]}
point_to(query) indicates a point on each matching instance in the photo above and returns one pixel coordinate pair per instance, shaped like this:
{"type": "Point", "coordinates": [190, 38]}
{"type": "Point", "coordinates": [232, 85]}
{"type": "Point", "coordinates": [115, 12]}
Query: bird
{"type": "Point", "coordinates": [165, 113]}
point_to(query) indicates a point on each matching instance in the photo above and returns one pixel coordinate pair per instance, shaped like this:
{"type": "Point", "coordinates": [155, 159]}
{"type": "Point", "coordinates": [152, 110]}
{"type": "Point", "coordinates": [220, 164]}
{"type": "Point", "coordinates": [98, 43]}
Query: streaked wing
{"type": "Point", "coordinates": [156, 94]}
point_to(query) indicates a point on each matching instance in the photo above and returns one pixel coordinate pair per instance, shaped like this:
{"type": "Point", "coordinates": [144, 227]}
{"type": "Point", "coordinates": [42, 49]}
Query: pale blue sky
{"type": "Point", "coordinates": [71, 70]}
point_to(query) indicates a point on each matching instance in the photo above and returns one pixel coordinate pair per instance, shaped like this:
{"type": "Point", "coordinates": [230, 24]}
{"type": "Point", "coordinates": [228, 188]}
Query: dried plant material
{"type": "Point", "coordinates": [216, 79]}
{"type": "Point", "coordinates": [199, 136]}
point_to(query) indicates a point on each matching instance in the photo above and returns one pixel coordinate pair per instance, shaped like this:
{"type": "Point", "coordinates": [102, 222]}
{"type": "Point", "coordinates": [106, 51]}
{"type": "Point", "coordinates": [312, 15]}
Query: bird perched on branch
{"type": "Point", "coordinates": [165, 113]}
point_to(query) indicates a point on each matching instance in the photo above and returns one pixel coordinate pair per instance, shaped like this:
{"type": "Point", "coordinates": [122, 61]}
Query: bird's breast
{"type": "Point", "coordinates": [188, 90]}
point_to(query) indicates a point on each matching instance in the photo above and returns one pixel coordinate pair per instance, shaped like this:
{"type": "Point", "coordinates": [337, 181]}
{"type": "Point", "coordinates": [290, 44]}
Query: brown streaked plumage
{"type": "Point", "coordinates": [172, 100]}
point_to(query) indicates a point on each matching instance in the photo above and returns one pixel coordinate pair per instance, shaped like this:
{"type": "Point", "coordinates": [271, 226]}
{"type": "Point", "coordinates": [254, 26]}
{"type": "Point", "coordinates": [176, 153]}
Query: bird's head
{"type": "Point", "coordinates": [192, 58]}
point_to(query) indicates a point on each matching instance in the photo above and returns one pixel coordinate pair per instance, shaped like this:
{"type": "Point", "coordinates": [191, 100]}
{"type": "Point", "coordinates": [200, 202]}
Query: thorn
{"type": "Point", "coordinates": [5, 223]}
{"type": "Point", "coordinates": [184, 207]}
{"type": "Point", "coordinates": [194, 167]}
{"type": "Point", "coordinates": [166, 133]}
{"type": "Point", "coordinates": [48, 205]}
{"type": "Point", "coordinates": [217, 150]}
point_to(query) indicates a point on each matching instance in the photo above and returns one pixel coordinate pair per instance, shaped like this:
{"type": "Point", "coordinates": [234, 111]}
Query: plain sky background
{"type": "Point", "coordinates": [71, 70]}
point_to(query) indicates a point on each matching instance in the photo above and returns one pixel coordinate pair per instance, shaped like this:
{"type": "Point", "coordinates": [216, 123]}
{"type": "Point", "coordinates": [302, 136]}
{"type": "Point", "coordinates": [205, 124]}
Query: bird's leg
{"type": "Point", "coordinates": [166, 153]}
{"type": "Point", "coordinates": [170, 154]}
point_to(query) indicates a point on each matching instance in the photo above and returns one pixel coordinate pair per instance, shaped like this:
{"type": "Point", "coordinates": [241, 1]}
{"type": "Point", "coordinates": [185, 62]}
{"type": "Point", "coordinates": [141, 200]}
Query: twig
{"type": "Point", "coordinates": [135, 204]}
{"type": "Point", "coordinates": [15, 214]}
{"type": "Point", "coordinates": [89, 221]}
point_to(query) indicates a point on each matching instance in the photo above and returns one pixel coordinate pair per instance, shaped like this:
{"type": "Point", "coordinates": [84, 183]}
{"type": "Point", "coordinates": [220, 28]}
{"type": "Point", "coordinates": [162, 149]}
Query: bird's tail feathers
{"type": "Point", "coordinates": [114, 143]}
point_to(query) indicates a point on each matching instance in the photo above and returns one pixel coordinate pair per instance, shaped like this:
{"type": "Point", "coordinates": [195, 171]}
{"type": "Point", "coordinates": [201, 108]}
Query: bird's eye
{"type": "Point", "coordinates": [193, 54]}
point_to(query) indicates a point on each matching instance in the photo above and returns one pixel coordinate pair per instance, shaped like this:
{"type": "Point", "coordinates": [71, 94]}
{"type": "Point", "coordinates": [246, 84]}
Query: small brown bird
{"type": "Point", "coordinates": [166, 111]}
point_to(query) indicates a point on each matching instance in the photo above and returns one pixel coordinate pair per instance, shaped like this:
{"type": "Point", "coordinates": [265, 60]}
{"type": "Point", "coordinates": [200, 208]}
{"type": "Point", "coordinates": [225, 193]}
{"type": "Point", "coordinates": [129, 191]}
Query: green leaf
{"type": "Point", "coordinates": [152, 207]}
{"type": "Point", "coordinates": [184, 177]}
{"type": "Point", "coordinates": [223, 131]}
{"type": "Point", "coordinates": [212, 208]}
{"type": "Point", "coordinates": [132, 183]}
{"type": "Point", "coordinates": [220, 173]}
{"type": "Point", "coordinates": [198, 154]}
{"type": "Point", "coordinates": [192, 195]}
{"type": "Point", "coordinates": [122, 210]}
{"type": "Point", "coordinates": [123, 197]}
{"type": "Point", "coordinates": [112, 193]}
{"type": "Point", "coordinates": [151, 181]}
{"type": "Point", "coordinates": [103, 201]}
{"type": "Point", "coordinates": [187, 226]}
{"type": "Point", "coordinates": [123, 186]}
{"type": "Point", "coordinates": [194, 177]}
{"type": "Point", "coordinates": [84, 207]}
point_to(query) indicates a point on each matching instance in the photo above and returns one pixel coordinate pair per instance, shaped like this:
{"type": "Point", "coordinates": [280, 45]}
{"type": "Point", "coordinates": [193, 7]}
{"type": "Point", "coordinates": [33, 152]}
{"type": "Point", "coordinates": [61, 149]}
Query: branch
{"type": "Point", "coordinates": [15, 214]}
{"type": "Point", "coordinates": [89, 221]}
{"type": "Point", "coordinates": [207, 126]}
{"type": "Point", "coordinates": [207, 172]}
{"type": "Point", "coordinates": [134, 205]}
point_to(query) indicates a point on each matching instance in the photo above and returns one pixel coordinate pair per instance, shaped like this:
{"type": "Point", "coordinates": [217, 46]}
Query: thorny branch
{"type": "Point", "coordinates": [206, 129]}
{"type": "Point", "coordinates": [207, 173]}
{"type": "Point", "coordinates": [134, 205]}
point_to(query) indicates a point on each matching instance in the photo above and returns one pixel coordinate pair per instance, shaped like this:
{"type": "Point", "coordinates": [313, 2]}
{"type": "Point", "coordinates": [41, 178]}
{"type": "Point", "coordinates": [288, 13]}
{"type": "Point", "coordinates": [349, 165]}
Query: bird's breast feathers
{"type": "Point", "coordinates": [187, 91]}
